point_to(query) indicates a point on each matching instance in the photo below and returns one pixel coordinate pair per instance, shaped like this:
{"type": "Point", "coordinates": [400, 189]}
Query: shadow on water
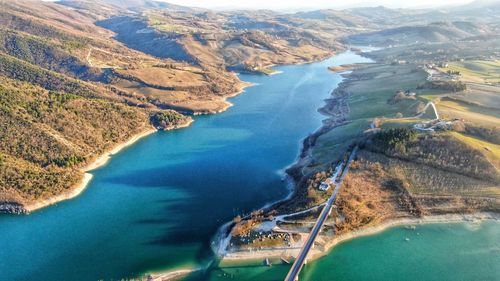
{"type": "Point", "coordinates": [157, 204]}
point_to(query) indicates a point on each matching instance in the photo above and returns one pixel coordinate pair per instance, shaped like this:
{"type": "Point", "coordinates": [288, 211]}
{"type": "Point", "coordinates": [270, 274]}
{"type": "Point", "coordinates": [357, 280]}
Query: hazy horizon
{"type": "Point", "coordinates": [312, 4]}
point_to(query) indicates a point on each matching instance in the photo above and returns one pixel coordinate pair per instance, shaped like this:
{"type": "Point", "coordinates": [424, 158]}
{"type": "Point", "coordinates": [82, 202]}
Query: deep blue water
{"type": "Point", "coordinates": [157, 204]}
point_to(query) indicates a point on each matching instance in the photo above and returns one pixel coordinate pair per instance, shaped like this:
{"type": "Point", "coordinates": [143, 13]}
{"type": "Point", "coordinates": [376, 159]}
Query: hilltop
{"type": "Point", "coordinates": [73, 65]}
{"type": "Point", "coordinates": [437, 32]}
{"type": "Point", "coordinates": [80, 77]}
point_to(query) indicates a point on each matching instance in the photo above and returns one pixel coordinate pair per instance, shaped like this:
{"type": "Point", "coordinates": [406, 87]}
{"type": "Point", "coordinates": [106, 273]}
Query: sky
{"type": "Point", "coordinates": [311, 4]}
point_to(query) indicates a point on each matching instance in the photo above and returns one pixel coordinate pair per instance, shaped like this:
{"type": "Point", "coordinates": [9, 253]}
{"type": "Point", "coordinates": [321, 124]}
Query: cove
{"type": "Point", "coordinates": [156, 205]}
{"type": "Point", "coordinates": [455, 251]}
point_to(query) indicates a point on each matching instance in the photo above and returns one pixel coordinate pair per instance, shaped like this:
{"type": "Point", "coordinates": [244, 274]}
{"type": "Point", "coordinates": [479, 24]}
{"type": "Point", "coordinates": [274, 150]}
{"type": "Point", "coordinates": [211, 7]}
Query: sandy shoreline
{"type": "Point", "coordinates": [87, 177]}
{"type": "Point", "coordinates": [366, 231]}
{"type": "Point", "coordinates": [104, 158]}
{"type": "Point", "coordinates": [171, 275]}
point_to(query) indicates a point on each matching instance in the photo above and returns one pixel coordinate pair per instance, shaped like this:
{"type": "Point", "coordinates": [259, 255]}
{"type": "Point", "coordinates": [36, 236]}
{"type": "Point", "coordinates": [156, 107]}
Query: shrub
{"type": "Point", "coordinates": [166, 119]}
{"type": "Point", "coordinates": [453, 86]}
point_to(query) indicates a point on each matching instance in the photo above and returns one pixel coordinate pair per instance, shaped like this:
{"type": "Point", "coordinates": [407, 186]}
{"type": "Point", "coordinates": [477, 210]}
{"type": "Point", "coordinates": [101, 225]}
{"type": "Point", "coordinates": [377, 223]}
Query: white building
{"type": "Point", "coordinates": [325, 185]}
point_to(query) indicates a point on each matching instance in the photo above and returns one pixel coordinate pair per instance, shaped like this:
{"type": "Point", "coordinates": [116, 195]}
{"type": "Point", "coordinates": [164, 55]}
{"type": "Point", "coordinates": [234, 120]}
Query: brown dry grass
{"type": "Point", "coordinates": [167, 77]}
{"type": "Point", "coordinates": [365, 199]}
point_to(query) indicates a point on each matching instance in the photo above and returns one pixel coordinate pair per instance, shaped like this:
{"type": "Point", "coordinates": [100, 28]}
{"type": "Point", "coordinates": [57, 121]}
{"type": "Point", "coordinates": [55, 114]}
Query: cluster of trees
{"type": "Point", "coordinates": [452, 86]}
{"type": "Point", "coordinates": [395, 139]}
{"type": "Point", "coordinates": [46, 54]}
{"type": "Point", "coordinates": [400, 96]}
{"type": "Point", "coordinates": [440, 151]}
{"type": "Point", "coordinates": [31, 182]}
{"type": "Point", "coordinates": [491, 134]}
{"type": "Point", "coordinates": [32, 26]}
{"type": "Point", "coordinates": [17, 69]}
{"type": "Point", "coordinates": [69, 161]}
{"type": "Point", "coordinates": [242, 227]}
{"type": "Point", "coordinates": [166, 119]}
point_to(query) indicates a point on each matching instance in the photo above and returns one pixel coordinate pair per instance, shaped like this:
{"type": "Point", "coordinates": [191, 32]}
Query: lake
{"type": "Point", "coordinates": [456, 251]}
{"type": "Point", "coordinates": [158, 203]}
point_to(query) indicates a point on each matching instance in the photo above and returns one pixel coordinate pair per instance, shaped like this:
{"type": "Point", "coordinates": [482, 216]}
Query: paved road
{"type": "Point", "coordinates": [293, 274]}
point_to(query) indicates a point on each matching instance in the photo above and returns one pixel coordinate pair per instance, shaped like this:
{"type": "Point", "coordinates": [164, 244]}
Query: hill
{"type": "Point", "coordinates": [236, 41]}
{"type": "Point", "coordinates": [123, 6]}
{"type": "Point", "coordinates": [58, 92]}
{"type": "Point", "coordinates": [437, 32]}
{"type": "Point", "coordinates": [68, 67]}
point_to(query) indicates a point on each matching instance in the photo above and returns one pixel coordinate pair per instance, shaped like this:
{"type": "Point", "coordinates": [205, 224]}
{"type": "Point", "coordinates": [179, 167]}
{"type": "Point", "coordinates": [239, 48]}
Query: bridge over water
{"type": "Point", "coordinates": [293, 274]}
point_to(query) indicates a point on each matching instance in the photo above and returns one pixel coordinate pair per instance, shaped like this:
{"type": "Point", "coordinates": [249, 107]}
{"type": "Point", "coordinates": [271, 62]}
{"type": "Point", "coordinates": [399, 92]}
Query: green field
{"type": "Point", "coordinates": [479, 104]}
{"type": "Point", "coordinates": [368, 99]}
{"type": "Point", "coordinates": [490, 150]}
{"type": "Point", "coordinates": [477, 71]}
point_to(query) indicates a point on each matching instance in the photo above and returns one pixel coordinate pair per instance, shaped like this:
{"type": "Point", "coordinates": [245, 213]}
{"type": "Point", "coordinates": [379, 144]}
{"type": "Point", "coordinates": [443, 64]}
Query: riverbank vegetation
{"type": "Point", "coordinates": [81, 77]}
{"type": "Point", "coordinates": [401, 170]}
{"type": "Point", "coordinates": [58, 111]}
{"type": "Point", "coordinates": [48, 135]}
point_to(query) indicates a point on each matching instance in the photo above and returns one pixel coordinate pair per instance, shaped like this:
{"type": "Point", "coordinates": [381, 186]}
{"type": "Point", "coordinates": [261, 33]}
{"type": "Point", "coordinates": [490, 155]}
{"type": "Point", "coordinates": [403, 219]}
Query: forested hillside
{"type": "Point", "coordinates": [58, 113]}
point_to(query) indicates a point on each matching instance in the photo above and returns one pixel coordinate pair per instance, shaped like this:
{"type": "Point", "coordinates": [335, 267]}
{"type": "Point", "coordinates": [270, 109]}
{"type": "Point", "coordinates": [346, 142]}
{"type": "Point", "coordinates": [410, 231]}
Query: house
{"type": "Point", "coordinates": [326, 184]}
{"type": "Point", "coordinates": [323, 186]}
{"type": "Point", "coordinates": [409, 93]}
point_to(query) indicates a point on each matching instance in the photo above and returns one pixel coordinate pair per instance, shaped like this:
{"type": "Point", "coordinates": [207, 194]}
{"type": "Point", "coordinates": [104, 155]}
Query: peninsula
{"type": "Point", "coordinates": [428, 151]}
{"type": "Point", "coordinates": [353, 121]}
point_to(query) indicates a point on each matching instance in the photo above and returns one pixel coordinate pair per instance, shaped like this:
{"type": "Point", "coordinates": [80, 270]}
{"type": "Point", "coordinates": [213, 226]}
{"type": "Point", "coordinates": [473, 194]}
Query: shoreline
{"type": "Point", "coordinates": [103, 158]}
{"type": "Point", "coordinates": [257, 255]}
{"type": "Point", "coordinates": [171, 275]}
{"type": "Point", "coordinates": [241, 88]}
{"type": "Point", "coordinates": [294, 167]}
{"type": "Point", "coordinates": [87, 177]}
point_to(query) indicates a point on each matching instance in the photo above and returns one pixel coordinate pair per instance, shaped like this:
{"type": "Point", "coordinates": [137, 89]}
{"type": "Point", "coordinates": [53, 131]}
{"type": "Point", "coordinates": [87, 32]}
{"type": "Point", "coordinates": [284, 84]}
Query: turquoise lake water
{"type": "Point", "coordinates": [157, 204]}
{"type": "Point", "coordinates": [440, 252]}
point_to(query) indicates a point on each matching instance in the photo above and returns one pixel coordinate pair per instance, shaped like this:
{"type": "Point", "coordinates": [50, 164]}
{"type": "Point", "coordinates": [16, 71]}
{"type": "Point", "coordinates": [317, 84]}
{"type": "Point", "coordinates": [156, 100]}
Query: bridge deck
{"type": "Point", "coordinates": [293, 274]}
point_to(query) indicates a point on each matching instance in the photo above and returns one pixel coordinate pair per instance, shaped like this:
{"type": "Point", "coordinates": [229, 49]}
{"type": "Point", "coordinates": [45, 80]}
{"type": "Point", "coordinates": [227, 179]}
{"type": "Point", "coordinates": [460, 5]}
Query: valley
{"type": "Point", "coordinates": [93, 96]}
{"type": "Point", "coordinates": [403, 172]}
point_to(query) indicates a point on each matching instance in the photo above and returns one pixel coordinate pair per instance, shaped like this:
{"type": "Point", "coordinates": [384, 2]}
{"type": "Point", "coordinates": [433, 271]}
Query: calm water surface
{"type": "Point", "coordinates": [157, 204]}
{"type": "Point", "coordinates": [441, 252]}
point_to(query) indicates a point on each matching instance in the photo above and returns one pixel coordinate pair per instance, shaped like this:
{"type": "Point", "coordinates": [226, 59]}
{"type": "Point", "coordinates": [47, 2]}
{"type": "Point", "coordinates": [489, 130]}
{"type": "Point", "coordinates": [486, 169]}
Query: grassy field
{"type": "Point", "coordinates": [490, 150]}
{"type": "Point", "coordinates": [463, 108]}
{"type": "Point", "coordinates": [332, 145]}
{"type": "Point", "coordinates": [477, 71]}
{"type": "Point", "coordinates": [165, 77]}
{"type": "Point", "coordinates": [368, 99]}
{"type": "Point", "coordinates": [370, 92]}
